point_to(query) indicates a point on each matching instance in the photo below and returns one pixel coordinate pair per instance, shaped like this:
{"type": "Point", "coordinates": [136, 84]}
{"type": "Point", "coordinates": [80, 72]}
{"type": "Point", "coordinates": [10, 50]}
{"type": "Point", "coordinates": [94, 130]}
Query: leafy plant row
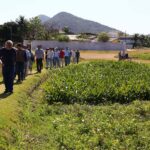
{"type": "Point", "coordinates": [99, 82]}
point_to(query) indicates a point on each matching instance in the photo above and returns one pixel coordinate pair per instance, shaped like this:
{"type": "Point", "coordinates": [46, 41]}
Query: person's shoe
{"type": "Point", "coordinates": [10, 92]}
{"type": "Point", "coordinates": [18, 81]}
{"type": "Point", "coordinates": [5, 92]}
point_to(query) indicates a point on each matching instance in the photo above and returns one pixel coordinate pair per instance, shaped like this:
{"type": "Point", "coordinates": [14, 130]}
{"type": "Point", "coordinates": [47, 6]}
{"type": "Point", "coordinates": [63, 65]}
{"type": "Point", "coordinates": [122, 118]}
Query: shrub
{"type": "Point", "coordinates": [63, 38]}
{"type": "Point", "coordinates": [103, 37]}
{"type": "Point", "coordinates": [99, 82]}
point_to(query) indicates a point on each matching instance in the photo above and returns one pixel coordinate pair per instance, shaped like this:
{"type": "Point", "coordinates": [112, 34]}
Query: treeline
{"type": "Point", "coordinates": [141, 40]}
{"type": "Point", "coordinates": [31, 29]}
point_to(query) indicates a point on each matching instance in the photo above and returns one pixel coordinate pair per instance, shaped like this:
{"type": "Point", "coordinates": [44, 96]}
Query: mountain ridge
{"type": "Point", "coordinates": [76, 24]}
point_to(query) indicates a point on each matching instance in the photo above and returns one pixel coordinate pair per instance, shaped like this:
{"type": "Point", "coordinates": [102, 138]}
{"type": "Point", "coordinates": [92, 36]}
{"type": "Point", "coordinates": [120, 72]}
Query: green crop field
{"type": "Point", "coordinates": [99, 105]}
{"type": "Point", "coordinates": [99, 82]}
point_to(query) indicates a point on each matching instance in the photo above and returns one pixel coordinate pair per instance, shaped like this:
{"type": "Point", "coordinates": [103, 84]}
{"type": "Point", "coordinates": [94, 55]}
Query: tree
{"type": "Point", "coordinates": [142, 40]}
{"type": "Point", "coordinates": [121, 34]}
{"type": "Point", "coordinates": [136, 40]}
{"type": "Point", "coordinates": [23, 25]}
{"type": "Point", "coordinates": [35, 29]}
{"type": "Point", "coordinates": [103, 37]}
{"type": "Point", "coordinates": [9, 31]}
{"type": "Point", "coordinates": [50, 31]}
{"type": "Point", "coordinates": [66, 29]}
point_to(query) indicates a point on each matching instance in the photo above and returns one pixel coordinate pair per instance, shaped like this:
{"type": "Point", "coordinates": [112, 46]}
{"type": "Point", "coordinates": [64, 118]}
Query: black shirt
{"type": "Point", "coordinates": [8, 56]}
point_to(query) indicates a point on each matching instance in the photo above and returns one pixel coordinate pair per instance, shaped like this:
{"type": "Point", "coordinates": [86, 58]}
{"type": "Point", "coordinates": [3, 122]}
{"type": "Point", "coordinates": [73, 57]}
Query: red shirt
{"type": "Point", "coordinates": [62, 54]}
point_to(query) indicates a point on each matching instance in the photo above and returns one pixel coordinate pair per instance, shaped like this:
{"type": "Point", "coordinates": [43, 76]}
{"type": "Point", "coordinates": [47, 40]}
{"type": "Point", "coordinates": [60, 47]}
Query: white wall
{"type": "Point", "coordinates": [77, 45]}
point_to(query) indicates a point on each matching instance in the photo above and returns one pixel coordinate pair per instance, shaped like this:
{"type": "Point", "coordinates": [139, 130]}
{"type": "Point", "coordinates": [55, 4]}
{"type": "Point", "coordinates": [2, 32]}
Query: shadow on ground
{"type": "Point", "coordinates": [4, 95]}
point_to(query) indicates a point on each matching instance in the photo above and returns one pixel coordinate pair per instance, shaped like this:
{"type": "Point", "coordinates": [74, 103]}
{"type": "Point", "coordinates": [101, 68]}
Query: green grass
{"type": "Point", "coordinates": [10, 106]}
{"type": "Point", "coordinates": [76, 127]}
{"type": "Point", "coordinates": [142, 56]}
{"type": "Point", "coordinates": [41, 126]}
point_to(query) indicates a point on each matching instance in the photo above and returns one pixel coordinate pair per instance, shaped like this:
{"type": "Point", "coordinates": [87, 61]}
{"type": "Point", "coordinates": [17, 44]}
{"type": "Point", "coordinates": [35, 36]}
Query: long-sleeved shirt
{"type": "Point", "coordinates": [8, 56]}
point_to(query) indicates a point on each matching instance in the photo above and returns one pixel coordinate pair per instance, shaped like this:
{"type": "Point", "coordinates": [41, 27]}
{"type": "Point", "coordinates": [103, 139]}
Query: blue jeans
{"type": "Point", "coordinates": [49, 62]}
{"type": "Point", "coordinates": [8, 76]}
{"type": "Point", "coordinates": [56, 62]}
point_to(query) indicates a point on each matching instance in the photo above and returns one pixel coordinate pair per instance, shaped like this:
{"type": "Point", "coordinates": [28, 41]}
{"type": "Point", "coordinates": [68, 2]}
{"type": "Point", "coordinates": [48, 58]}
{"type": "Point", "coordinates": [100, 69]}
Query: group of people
{"type": "Point", "coordinates": [18, 61]}
{"type": "Point", "coordinates": [59, 57]}
{"type": "Point", "coordinates": [55, 57]}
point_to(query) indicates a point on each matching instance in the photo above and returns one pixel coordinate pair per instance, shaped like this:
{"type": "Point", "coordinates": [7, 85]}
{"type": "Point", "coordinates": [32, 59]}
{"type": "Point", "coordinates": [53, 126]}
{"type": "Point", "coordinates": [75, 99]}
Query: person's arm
{"type": "Point", "coordinates": [15, 55]}
{"type": "Point", "coordinates": [1, 53]}
{"type": "Point", "coordinates": [43, 55]}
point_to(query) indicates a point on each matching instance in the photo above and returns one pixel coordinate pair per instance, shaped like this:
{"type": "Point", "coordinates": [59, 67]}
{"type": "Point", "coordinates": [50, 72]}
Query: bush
{"type": "Point", "coordinates": [99, 82]}
{"type": "Point", "coordinates": [103, 37]}
{"type": "Point", "coordinates": [63, 38]}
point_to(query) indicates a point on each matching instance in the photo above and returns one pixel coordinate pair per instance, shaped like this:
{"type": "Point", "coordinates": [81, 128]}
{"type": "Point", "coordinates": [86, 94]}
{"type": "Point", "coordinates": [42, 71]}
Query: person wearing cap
{"type": "Point", "coordinates": [8, 58]}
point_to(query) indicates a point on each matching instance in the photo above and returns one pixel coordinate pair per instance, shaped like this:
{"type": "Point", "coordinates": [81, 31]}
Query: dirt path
{"type": "Point", "coordinates": [98, 56]}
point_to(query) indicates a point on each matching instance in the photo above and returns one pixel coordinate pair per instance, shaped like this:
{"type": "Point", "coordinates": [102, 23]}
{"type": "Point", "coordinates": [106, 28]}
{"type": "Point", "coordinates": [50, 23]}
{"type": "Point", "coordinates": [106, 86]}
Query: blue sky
{"type": "Point", "coordinates": [132, 16]}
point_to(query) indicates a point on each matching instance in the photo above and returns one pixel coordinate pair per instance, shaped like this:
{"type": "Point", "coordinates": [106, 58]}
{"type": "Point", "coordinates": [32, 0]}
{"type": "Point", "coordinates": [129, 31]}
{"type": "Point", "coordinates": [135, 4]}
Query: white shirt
{"type": "Point", "coordinates": [50, 54]}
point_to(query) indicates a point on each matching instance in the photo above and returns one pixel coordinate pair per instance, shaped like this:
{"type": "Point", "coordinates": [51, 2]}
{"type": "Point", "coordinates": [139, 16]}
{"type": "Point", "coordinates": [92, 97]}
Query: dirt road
{"type": "Point", "coordinates": [98, 56]}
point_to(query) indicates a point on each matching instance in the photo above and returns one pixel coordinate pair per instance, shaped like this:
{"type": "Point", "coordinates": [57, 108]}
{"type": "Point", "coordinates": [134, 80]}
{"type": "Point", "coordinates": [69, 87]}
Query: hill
{"type": "Point", "coordinates": [43, 18]}
{"type": "Point", "coordinates": [77, 24]}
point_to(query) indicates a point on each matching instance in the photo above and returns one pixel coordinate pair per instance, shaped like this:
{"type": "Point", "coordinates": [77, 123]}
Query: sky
{"type": "Point", "coordinates": [131, 16]}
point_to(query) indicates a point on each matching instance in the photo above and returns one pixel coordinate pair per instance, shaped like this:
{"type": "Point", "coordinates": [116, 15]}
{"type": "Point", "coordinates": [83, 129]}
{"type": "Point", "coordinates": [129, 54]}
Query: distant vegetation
{"type": "Point", "coordinates": [103, 37]}
{"type": "Point", "coordinates": [63, 38]}
{"type": "Point", "coordinates": [141, 56]}
{"type": "Point", "coordinates": [141, 40]}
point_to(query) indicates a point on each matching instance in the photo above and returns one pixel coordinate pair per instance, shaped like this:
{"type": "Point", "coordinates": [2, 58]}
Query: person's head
{"type": "Point", "coordinates": [29, 46]}
{"type": "Point", "coordinates": [8, 44]}
{"type": "Point", "coordinates": [39, 46]}
{"type": "Point", "coordinates": [19, 46]}
{"type": "Point", "coordinates": [56, 49]}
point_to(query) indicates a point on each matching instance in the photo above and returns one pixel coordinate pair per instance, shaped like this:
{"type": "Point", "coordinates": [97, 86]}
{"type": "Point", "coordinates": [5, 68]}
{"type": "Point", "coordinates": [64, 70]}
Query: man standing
{"type": "Point", "coordinates": [61, 56]}
{"type": "Point", "coordinates": [67, 55]}
{"type": "Point", "coordinates": [8, 57]}
{"type": "Point", "coordinates": [39, 55]}
{"type": "Point", "coordinates": [77, 56]}
{"type": "Point", "coordinates": [20, 62]}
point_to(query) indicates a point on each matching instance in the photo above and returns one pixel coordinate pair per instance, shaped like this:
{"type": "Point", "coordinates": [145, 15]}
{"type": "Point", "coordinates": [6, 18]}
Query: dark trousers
{"type": "Point", "coordinates": [8, 77]}
{"type": "Point", "coordinates": [39, 64]}
{"type": "Point", "coordinates": [77, 60]}
{"type": "Point", "coordinates": [66, 60]}
{"type": "Point", "coordinates": [20, 70]}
